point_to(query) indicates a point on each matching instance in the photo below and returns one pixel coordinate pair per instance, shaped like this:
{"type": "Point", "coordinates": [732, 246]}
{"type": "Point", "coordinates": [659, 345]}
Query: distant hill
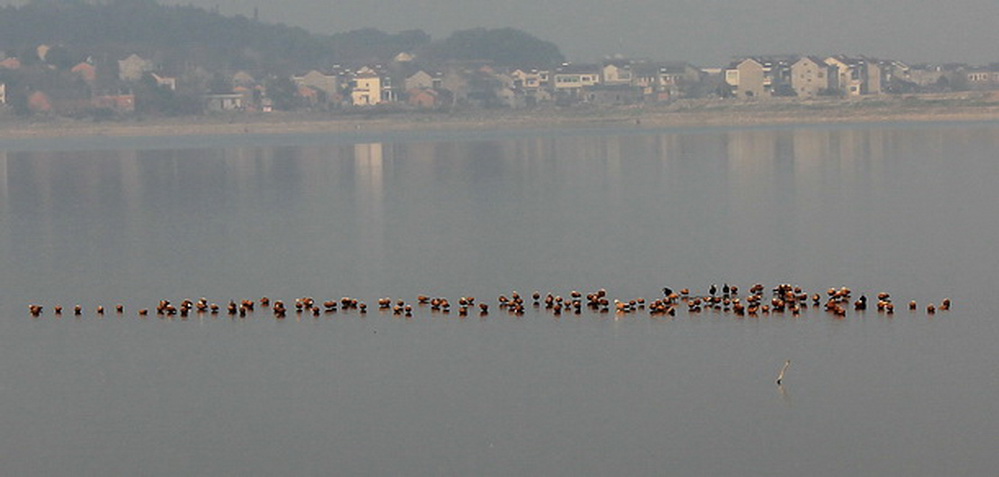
{"type": "Point", "coordinates": [171, 34]}
{"type": "Point", "coordinates": [178, 36]}
{"type": "Point", "coordinates": [503, 46]}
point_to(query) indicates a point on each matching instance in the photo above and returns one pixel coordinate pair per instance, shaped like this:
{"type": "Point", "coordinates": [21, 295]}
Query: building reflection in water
{"type": "Point", "coordinates": [3, 176]}
{"type": "Point", "coordinates": [745, 157]}
{"type": "Point", "coordinates": [369, 190]}
{"type": "Point", "coordinates": [136, 210]}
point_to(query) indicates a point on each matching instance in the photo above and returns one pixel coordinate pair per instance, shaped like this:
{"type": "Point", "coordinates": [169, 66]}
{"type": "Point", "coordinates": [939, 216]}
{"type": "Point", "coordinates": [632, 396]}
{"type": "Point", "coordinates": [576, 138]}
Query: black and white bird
{"type": "Point", "coordinates": [780, 377]}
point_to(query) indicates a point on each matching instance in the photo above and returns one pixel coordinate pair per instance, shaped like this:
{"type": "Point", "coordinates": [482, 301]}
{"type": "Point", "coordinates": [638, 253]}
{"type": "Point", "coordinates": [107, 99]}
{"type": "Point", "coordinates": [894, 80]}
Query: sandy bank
{"type": "Point", "coordinates": [690, 114]}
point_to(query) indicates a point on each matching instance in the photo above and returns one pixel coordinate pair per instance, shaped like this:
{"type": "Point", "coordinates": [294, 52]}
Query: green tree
{"type": "Point", "coordinates": [370, 44]}
{"type": "Point", "coordinates": [61, 58]}
{"type": "Point", "coordinates": [503, 46]}
{"type": "Point", "coordinates": [28, 56]}
{"type": "Point", "coordinates": [959, 81]}
{"type": "Point", "coordinates": [151, 98]}
{"type": "Point", "coordinates": [220, 84]}
{"type": "Point", "coordinates": [284, 92]}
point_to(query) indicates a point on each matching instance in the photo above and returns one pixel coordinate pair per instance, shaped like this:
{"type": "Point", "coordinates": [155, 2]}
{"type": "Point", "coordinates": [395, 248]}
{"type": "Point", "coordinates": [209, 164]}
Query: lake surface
{"type": "Point", "coordinates": [909, 210]}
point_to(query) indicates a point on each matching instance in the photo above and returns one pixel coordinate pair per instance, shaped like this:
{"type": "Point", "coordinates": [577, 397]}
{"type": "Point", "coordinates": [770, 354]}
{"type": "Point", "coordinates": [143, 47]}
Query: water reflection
{"type": "Point", "coordinates": [784, 394]}
{"type": "Point", "coordinates": [130, 175]}
{"type": "Point", "coordinates": [903, 209]}
{"type": "Point", "coordinates": [369, 166]}
{"type": "Point", "coordinates": [746, 156]}
{"type": "Point", "coordinates": [376, 206]}
{"type": "Point", "coordinates": [3, 176]}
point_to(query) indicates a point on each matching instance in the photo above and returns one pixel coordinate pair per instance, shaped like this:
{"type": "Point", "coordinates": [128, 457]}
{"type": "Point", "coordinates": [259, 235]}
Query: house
{"type": "Point", "coordinates": [530, 79]}
{"type": "Point", "coordinates": [926, 75]}
{"type": "Point", "coordinates": [423, 98]}
{"type": "Point", "coordinates": [253, 97]}
{"type": "Point", "coordinates": [422, 80]}
{"type": "Point", "coordinates": [809, 77]}
{"type": "Point", "coordinates": [3, 93]}
{"type": "Point", "coordinates": [892, 70]}
{"type": "Point", "coordinates": [133, 67]}
{"type": "Point", "coordinates": [569, 81]}
{"type": "Point", "coordinates": [223, 102]}
{"type": "Point", "coordinates": [86, 71]}
{"type": "Point", "coordinates": [981, 78]}
{"type": "Point", "coordinates": [855, 76]}
{"type": "Point", "coordinates": [366, 89]}
{"type": "Point", "coordinates": [573, 78]}
{"type": "Point", "coordinates": [674, 79]}
{"type": "Point", "coordinates": [646, 78]}
{"type": "Point", "coordinates": [328, 84]}
{"type": "Point", "coordinates": [533, 85]}
{"type": "Point", "coordinates": [11, 63]}
{"type": "Point", "coordinates": [167, 82]}
{"type": "Point", "coordinates": [616, 72]}
{"type": "Point", "coordinates": [375, 83]}
{"type": "Point", "coordinates": [678, 74]}
{"type": "Point", "coordinates": [748, 78]}
{"type": "Point", "coordinates": [613, 94]}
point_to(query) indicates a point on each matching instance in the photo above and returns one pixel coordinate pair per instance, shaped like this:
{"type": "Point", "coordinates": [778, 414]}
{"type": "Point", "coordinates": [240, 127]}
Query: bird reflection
{"type": "Point", "coordinates": [784, 395]}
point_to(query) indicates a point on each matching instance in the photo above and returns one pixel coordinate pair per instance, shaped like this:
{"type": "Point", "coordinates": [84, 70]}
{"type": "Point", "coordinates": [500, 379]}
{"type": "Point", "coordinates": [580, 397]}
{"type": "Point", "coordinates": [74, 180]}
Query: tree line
{"type": "Point", "coordinates": [180, 36]}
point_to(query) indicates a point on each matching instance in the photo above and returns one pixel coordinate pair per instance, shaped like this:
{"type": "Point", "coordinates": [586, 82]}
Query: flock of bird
{"type": "Point", "coordinates": [783, 298]}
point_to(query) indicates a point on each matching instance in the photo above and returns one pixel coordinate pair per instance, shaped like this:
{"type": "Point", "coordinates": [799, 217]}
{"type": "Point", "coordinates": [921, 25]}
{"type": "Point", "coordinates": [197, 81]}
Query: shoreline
{"type": "Point", "coordinates": [702, 113]}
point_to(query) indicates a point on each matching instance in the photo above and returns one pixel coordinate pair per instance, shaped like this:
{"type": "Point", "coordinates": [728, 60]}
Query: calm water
{"type": "Point", "coordinates": [907, 210]}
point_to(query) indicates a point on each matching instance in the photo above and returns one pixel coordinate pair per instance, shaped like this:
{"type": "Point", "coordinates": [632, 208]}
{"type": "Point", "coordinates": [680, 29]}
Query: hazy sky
{"type": "Point", "coordinates": [704, 32]}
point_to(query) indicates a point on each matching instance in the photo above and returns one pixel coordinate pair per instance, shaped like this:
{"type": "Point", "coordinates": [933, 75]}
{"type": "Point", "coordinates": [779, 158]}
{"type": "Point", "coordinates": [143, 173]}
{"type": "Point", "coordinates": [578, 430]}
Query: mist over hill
{"type": "Point", "coordinates": [178, 36]}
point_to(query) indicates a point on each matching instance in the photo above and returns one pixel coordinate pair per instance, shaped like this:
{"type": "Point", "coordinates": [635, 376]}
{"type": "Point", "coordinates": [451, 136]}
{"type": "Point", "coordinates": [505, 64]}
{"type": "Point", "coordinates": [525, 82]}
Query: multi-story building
{"type": "Point", "coordinates": [855, 76]}
{"type": "Point", "coordinates": [809, 77]}
{"type": "Point", "coordinates": [572, 79]}
{"type": "Point", "coordinates": [616, 72]}
{"type": "Point", "coordinates": [748, 78]}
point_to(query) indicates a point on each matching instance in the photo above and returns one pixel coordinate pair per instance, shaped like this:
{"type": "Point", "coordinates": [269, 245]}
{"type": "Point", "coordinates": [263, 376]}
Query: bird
{"type": "Point", "coordinates": [780, 377]}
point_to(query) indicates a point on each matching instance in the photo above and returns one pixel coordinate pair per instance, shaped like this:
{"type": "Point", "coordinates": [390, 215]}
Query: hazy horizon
{"type": "Point", "coordinates": [704, 32]}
